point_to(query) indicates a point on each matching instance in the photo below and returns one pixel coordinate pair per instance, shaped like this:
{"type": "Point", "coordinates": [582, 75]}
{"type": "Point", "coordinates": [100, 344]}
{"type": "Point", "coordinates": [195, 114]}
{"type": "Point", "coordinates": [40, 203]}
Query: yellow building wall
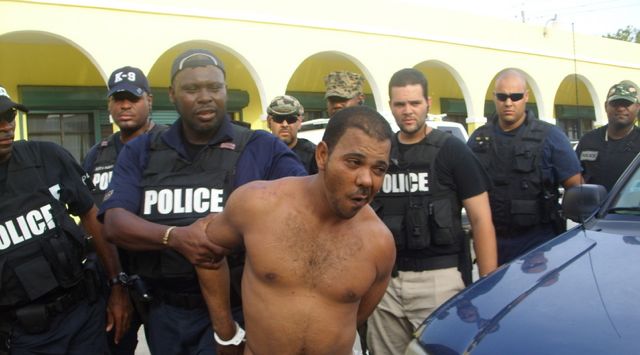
{"type": "Point", "coordinates": [271, 47]}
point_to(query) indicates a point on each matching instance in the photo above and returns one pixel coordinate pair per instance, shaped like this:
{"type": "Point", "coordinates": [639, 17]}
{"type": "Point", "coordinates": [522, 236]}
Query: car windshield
{"type": "Point", "coordinates": [628, 200]}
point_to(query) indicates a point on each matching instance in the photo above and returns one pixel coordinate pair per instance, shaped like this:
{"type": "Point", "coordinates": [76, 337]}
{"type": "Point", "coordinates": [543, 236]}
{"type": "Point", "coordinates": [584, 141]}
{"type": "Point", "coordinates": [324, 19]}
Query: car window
{"type": "Point", "coordinates": [629, 196]}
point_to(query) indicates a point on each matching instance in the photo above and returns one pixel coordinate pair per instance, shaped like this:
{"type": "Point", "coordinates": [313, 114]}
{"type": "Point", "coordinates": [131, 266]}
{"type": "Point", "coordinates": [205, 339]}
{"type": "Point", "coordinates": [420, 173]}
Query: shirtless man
{"type": "Point", "coordinates": [318, 258]}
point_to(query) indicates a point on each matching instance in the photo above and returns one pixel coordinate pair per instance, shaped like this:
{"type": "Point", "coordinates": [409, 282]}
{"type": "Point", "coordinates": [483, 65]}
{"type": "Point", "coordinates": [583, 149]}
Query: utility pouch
{"type": "Point", "coordinates": [417, 227]}
{"type": "Point", "coordinates": [441, 222]}
{"type": "Point", "coordinates": [33, 319]}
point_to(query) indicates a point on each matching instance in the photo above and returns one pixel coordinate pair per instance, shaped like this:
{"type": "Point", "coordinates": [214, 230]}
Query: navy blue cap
{"type": "Point", "coordinates": [194, 58]}
{"type": "Point", "coordinates": [128, 79]}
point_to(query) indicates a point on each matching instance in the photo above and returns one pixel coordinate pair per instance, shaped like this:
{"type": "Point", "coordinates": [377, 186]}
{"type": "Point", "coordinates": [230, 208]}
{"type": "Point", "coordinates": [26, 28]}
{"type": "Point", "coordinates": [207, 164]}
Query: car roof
{"type": "Point", "coordinates": [313, 130]}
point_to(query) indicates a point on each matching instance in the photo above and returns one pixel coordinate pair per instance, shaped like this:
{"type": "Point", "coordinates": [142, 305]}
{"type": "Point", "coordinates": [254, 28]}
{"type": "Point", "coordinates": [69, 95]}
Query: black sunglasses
{"type": "Point", "coordinates": [8, 115]}
{"type": "Point", "coordinates": [289, 119]}
{"type": "Point", "coordinates": [514, 97]}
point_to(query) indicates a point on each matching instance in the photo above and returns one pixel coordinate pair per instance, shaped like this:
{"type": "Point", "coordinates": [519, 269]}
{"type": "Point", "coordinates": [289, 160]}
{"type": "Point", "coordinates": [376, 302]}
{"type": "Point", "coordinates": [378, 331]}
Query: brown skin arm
{"type": "Point", "coordinates": [573, 181]}
{"type": "Point", "coordinates": [119, 307]}
{"type": "Point", "coordinates": [215, 285]}
{"type": "Point", "coordinates": [385, 256]}
{"type": "Point", "coordinates": [484, 234]}
{"type": "Point", "coordinates": [129, 231]}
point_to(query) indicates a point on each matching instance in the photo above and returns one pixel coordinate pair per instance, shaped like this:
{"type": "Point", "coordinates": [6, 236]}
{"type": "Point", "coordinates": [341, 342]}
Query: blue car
{"type": "Point", "coordinates": [576, 294]}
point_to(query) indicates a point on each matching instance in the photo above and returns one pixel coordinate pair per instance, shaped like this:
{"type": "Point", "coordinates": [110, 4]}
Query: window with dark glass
{"type": "Point", "coordinates": [73, 131]}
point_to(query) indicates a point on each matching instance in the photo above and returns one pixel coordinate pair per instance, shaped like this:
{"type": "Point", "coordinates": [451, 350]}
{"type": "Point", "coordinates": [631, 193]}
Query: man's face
{"type": "Point", "coordinates": [130, 112]}
{"type": "Point", "coordinates": [510, 97]}
{"type": "Point", "coordinates": [409, 108]}
{"type": "Point", "coordinates": [200, 97]}
{"type": "Point", "coordinates": [622, 113]}
{"type": "Point", "coordinates": [7, 127]}
{"type": "Point", "coordinates": [353, 171]}
{"type": "Point", "coordinates": [285, 127]}
{"type": "Point", "coordinates": [335, 103]}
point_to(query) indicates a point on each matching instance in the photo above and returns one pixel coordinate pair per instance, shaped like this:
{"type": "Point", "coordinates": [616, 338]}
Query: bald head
{"type": "Point", "coordinates": [512, 75]}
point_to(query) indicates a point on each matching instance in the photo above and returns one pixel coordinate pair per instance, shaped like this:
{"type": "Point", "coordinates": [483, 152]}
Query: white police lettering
{"type": "Point", "coordinates": [55, 191]}
{"type": "Point", "coordinates": [131, 76]}
{"type": "Point", "coordinates": [32, 224]}
{"type": "Point", "coordinates": [101, 180]}
{"type": "Point", "coordinates": [403, 182]}
{"type": "Point", "coordinates": [589, 155]}
{"type": "Point", "coordinates": [187, 200]}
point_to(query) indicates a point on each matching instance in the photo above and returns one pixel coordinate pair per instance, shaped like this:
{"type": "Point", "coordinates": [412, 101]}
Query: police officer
{"type": "Point", "coordinates": [527, 159]}
{"type": "Point", "coordinates": [284, 120]}
{"type": "Point", "coordinates": [343, 89]}
{"type": "Point", "coordinates": [166, 180]}
{"type": "Point", "coordinates": [48, 298]}
{"type": "Point", "coordinates": [606, 151]}
{"type": "Point", "coordinates": [431, 176]}
{"type": "Point", "coordinates": [129, 104]}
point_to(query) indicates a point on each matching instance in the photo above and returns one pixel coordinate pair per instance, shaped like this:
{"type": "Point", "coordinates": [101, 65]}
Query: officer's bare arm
{"type": "Point", "coordinates": [484, 234]}
{"type": "Point", "coordinates": [118, 305]}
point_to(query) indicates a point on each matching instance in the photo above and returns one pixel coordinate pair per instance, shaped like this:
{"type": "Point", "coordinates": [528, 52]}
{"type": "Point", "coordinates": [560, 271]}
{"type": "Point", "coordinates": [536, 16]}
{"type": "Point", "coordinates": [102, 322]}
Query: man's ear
{"type": "Point", "coordinates": [171, 95]}
{"type": "Point", "coordinates": [322, 155]}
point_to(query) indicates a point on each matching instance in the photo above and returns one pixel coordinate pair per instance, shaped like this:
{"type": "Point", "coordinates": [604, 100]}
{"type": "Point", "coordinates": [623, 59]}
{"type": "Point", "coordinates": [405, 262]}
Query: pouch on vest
{"type": "Point", "coordinates": [417, 227]}
{"type": "Point", "coordinates": [33, 319]}
{"type": "Point", "coordinates": [523, 160]}
{"type": "Point", "coordinates": [441, 222]}
{"type": "Point", "coordinates": [524, 213]}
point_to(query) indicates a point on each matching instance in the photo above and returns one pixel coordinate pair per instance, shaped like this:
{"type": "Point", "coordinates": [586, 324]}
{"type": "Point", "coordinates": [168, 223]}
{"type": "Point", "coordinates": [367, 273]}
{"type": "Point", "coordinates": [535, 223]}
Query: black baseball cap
{"type": "Point", "coordinates": [194, 58]}
{"type": "Point", "coordinates": [7, 104]}
{"type": "Point", "coordinates": [128, 79]}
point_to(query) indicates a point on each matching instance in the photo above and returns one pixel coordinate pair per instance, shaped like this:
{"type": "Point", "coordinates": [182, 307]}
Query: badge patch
{"type": "Point", "coordinates": [589, 155]}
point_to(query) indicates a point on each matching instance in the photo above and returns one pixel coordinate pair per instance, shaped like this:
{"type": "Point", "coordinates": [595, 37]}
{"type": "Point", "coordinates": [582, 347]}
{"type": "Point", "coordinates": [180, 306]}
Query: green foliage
{"type": "Point", "coordinates": [629, 34]}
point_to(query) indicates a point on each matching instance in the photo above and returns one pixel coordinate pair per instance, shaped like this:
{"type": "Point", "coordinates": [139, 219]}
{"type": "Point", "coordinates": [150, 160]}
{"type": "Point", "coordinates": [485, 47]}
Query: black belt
{"type": "Point", "coordinates": [180, 300]}
{"type": "Point", "coordinates": [404, 263]}
{"type": "Point", "coordinates": [56, 303]}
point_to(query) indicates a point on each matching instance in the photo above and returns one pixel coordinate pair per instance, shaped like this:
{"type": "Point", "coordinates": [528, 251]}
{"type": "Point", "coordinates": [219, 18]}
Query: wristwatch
{"type": "Point", "coordinates": [236, 340]}
{"type": "Point", "coordinates": [122, 278]}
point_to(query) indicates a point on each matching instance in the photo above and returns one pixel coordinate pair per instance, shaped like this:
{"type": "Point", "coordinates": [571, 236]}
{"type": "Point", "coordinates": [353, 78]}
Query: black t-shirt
{"type": "Point", "coordinates": [458, 169]}
{"type": "Point", "coordinates": [58, 167]}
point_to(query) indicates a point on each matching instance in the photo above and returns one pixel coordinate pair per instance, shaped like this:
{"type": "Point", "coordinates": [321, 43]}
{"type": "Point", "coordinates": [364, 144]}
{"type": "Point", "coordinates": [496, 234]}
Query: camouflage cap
{"type": "Point", "coordinates": [624, 90]}
{"type": "Point", "coordinates": [343, 84]}
{"type": "Point", "coordinates": [285, 105]}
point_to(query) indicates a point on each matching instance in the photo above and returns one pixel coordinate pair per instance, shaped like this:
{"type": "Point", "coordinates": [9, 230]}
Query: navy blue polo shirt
{"type": "Point", "coordinates": [264, 157]}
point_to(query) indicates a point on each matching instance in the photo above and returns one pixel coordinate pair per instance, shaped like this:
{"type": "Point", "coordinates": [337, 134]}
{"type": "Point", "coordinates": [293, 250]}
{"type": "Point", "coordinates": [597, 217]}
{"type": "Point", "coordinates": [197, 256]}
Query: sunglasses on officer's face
{"type": "Point", "coordinates": [514, 97]}
{"type": "Point", "coordinates": [289, 119]}
{"type": "Point", "coordinates": [8, 115]}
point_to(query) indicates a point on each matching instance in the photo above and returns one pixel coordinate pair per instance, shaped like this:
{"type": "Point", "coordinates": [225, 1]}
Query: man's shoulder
{"type": "Point", "coordinates": [303, 145]}
{"type": "Point", "coordinates": [594, 135]}
{"type": "Point", "coordinates": [42, 148]}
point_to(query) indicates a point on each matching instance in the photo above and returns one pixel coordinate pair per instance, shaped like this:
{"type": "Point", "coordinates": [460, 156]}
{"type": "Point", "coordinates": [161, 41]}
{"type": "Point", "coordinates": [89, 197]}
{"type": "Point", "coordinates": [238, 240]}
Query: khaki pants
{"type": "Point", "coordinates": [409, 299]}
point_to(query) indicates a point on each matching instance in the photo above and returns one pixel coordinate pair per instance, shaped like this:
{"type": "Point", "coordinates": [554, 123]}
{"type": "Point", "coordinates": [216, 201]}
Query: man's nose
{"type": "Point", "coordinates": [364, 178]}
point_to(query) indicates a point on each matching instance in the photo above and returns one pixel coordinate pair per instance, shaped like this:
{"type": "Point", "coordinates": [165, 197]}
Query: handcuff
{"type": "Point", "coordinates": [236, 340]}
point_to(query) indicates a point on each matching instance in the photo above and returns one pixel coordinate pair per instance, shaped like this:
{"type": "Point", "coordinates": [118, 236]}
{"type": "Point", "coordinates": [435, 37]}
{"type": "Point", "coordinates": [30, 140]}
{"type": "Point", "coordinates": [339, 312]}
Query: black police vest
{"type": "Point", "coordinates": [105, 160]}
{"type": "Point", "coordinates": [423, 216]}
{"type": "Point", "coordinates": [41, 247]}
{"type": "Point", "coordinates": [178, 191]}
{"type": "Point", "coordinates": [103, 167]}
{"type": "Point", "coordinates": [521, 196]}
